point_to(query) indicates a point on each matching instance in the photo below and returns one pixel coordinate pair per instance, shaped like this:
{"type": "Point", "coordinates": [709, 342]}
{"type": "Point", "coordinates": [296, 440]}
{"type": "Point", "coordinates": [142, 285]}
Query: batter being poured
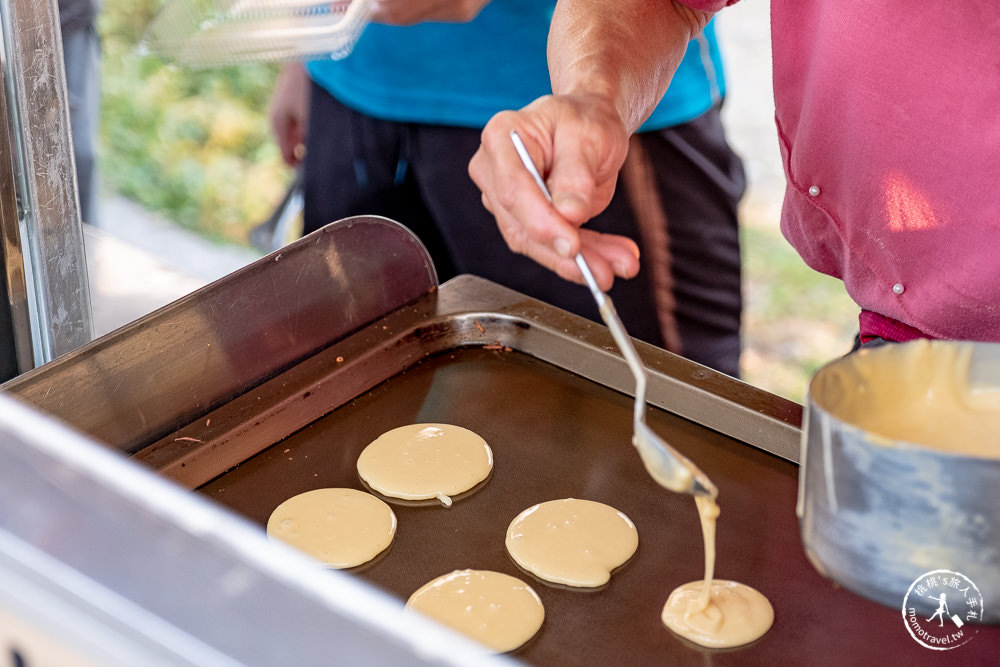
{"type": "Point", "coordinates": [715, 612]}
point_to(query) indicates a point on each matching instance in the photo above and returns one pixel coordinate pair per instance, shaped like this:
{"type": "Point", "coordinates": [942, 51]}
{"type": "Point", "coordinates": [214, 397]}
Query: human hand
{"type": "Point", "coordinates": [578, 143]}
{"type": "Point", "coordinates": [289, 112]}
{"type": "Point", "coordinates": [409, 12]}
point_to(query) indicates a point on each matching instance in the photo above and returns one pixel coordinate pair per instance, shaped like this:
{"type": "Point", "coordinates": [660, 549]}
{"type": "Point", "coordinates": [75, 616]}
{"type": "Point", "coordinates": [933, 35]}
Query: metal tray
{"type": "Point", "coordinates": [321, 346]}
{"type": "Point", "coordinates": [551, 395]}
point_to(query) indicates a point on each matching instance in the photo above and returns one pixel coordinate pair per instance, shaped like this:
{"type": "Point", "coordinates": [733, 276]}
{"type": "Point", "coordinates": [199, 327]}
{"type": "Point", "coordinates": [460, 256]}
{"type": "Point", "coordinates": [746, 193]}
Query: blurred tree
{"type": "Point", "coordinates": [194, 145]}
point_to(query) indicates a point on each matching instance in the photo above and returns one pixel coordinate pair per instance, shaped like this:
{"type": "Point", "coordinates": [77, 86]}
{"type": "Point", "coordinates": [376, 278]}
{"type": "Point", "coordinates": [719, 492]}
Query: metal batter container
{"type": "Point", "coordinates": [876, 514]}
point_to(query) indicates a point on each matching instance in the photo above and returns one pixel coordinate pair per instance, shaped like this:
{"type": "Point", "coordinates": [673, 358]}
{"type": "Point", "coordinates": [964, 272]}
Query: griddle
{"type": "Point", "coordinates": [516, 372]}
{"type": "Point", "coordinates": [285, 406]}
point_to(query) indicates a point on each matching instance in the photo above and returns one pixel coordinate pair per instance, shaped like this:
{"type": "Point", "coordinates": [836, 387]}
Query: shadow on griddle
{"type": "Point", "coordinates": [534, 639]}
{"type": "Point", "coordinates": [514, 652]}
{"type": "Point", "coordinates": [567, 587]}
{"type": "Point", "coordinates": [367, 564]}
{"type": "Point", "coordinates": [429, 502]}
{"type": "Point", "coordinates": [708, 650]}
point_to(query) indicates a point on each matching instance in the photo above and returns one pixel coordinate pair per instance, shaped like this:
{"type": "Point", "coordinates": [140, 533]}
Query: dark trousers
{"type": "Point", "coordinates": [677, 197]}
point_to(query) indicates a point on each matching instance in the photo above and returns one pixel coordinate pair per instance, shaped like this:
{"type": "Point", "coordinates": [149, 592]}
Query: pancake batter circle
{"type": "Point", "coordinates": [495, 609]}
{"type": "Point", "coordinates": [735, 614]}
{"type": "Point", "coordinates": [572, 542]}
{"type": "Point", "coordinates": [341, 528]}
{"type": "Point", "coordinates": [422, 461]}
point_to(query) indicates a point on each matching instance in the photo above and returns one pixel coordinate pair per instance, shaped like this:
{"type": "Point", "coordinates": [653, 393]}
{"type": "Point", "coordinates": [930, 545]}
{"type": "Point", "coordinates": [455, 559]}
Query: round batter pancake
{"type": "Point", "coordinates": [340, 527]}
{"type": "Point", "coordinates": [421, 461]}
{"type": "Point", "coordinates": [497, 610]}
{"type": "Point", "coordinates": [715, 612]}
{"type": "Point", "coordinates": [735, 614]}
{"type": "Point", "coordinates": [572, 542]}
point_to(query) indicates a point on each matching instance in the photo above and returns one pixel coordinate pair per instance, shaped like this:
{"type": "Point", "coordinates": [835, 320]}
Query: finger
{"type": "Point", "coordinates": [529, 223]}
{"type": "Point", "coordinates": [527, 230]}
{"type": "Point", "coordinates": [572, 186]}
{"type": "Point", "coordinates": [562, 266]}
{"type": "Point", "coordinates": [537, 219]}
{"type": "Point", "coordinates": [288, 141]}
{"type": "Point", "coordinates": [299, 153]}
{"type": "Point", "coordinates": [609, 256]}
{"type": "Point", "coordinates": [400, 14]}
{"type": "Point", "coordinates": [296, 145]}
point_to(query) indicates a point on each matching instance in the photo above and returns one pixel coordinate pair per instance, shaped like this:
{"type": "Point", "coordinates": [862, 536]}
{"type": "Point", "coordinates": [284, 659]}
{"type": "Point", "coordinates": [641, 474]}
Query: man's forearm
{"type": "Point", "coordinates": [626, 51]}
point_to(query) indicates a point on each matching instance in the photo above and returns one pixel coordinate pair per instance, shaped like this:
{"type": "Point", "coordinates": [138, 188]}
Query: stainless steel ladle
{"type": "Point", "coordinates": [671, 469]}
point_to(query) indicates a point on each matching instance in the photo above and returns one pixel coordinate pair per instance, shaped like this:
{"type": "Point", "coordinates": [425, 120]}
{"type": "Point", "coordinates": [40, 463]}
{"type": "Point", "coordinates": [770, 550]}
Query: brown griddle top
{"type": "Point", "coordinates": [557, 435]}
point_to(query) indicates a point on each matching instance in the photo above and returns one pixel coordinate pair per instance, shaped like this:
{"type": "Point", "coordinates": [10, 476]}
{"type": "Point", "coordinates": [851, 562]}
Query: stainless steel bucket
{"type": "Point", "coordinates": [877, 514]}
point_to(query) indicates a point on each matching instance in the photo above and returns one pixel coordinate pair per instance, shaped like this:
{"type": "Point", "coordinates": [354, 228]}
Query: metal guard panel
{"type": "Point", "coordinates": [134, 385]}
{"type": "Point", "coordinates": [105, 563]}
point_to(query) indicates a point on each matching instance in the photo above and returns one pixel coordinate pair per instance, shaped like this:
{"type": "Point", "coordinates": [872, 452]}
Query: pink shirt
{"type": "Point", "coordinates": [888, 119]}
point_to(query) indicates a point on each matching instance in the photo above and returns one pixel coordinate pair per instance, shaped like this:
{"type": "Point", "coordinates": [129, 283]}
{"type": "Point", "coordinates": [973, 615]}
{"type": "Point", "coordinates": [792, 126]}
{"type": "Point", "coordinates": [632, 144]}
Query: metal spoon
{"type": "Point", "coordinates": [671, 469]}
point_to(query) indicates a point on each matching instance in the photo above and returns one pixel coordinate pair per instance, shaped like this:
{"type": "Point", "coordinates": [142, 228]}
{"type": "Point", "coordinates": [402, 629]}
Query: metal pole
{"type": "Point", "coordinates": [46, 309]}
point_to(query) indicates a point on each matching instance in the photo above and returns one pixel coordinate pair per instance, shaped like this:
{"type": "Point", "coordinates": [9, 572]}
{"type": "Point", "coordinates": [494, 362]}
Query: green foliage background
{"type": "Point", "coordinates": [192, 144]}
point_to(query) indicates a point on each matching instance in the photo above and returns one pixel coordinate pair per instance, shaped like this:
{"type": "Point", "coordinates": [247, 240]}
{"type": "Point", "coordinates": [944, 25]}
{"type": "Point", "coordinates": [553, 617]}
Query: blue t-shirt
{"type": "Point", "coordinates": [461, 74]}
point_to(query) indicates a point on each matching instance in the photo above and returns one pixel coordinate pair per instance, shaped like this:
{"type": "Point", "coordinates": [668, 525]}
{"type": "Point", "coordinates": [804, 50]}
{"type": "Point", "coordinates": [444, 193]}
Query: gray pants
{"type": "Point", "coordinates": [82, 56]}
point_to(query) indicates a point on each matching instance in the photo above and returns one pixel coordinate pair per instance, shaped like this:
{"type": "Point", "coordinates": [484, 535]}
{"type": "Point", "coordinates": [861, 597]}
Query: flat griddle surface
{"type": "Point", "coordinates": [557, 435]}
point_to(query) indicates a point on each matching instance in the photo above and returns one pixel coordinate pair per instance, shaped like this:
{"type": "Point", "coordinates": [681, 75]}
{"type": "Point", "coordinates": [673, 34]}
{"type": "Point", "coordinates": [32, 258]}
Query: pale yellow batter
{"type": "Point", "coordinates": [715, 612]}
{"type": "Point", "coordinates": [421, 461]}
{"type": "Point", "coordinates": [735, 614]}
{"type": "Point", "coordinates": [340, 527]}
{"type": "Point", "coordinates": [570, 541]}
{"type": "Point", "coordinates": [919, 392]}
{"type": "Point", "coordinates": [497, 610]}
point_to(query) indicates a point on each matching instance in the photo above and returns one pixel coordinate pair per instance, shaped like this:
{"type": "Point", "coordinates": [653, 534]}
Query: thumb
{"type": "Point", "coordinates": [571, 205]}
{"type": "Point", "coordinates": [572, 183]}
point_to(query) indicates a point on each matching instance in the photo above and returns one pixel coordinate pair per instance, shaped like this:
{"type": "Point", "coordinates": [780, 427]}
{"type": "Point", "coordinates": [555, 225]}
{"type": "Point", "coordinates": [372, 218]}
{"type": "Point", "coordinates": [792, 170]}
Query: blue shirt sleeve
{"type": "Point", "coordinates": [462, 74]}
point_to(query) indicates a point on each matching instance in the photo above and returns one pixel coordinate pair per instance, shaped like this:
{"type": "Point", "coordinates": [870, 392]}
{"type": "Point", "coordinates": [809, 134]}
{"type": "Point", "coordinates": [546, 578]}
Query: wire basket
{"type": "Point", "coordinates": [206, 33]}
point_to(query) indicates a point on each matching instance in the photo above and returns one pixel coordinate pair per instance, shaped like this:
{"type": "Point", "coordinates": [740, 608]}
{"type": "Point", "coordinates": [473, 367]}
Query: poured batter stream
{"type": "Point", "coordinates": [715, 612]}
